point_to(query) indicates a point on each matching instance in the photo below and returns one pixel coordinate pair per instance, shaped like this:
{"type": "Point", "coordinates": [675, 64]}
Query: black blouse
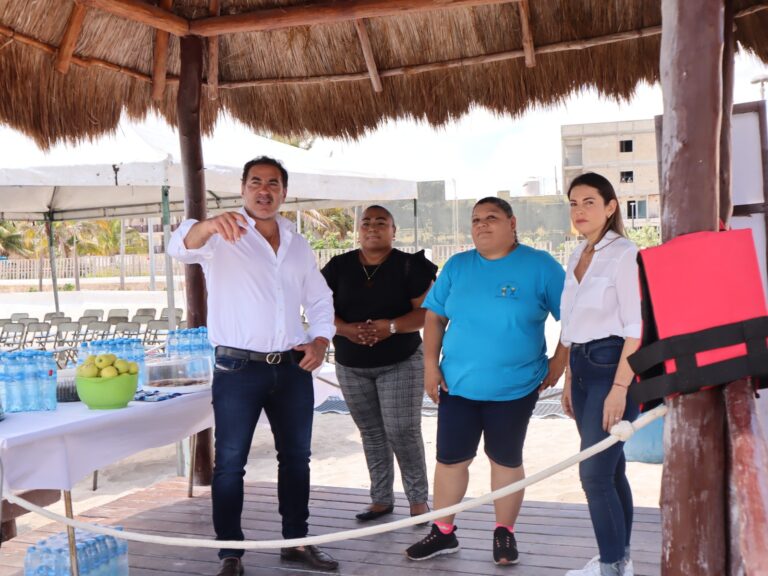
{"type": "Point", "coordinates": [388, 294]}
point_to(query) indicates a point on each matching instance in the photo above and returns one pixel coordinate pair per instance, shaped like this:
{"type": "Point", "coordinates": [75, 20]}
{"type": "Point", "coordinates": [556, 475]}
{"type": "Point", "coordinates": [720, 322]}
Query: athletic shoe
{"type": "Point", "coordinates": [504, 547]}
{"type": "Point", "coordinates": [434, 544]}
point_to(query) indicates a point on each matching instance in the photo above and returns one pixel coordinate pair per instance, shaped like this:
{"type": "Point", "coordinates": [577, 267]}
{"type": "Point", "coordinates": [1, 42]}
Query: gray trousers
{"type": "Point", "coordinates": [385, 403]}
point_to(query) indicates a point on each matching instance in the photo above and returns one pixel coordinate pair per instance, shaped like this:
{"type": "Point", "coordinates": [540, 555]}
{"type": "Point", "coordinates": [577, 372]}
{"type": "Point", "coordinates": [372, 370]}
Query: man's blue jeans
{"type": "Point", "coordinates": [241, 389]}
{"type": "Point", "coordinates": [603, 477]}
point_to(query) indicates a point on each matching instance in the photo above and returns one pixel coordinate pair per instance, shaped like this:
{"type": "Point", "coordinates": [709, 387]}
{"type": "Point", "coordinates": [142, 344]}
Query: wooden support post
{"type": "Point", "coordinates": [160, 58]}
{"type": "Point", "coordinates": [69, 41]}
{"type": "Point", "coordinates": [748, 493]}
{"type": "Point", "coordinates": [726, 147]}
{"type": "Point", "coordinates": [525, 25]}
{"type": "Point", "coordinates": [693, 497]}
{"type": "Point", "coordinates": [188, 111]}
{"type": "Point", "coordinates": [213, 56]}
{"type": "Point", "coordinates": [370, 60]}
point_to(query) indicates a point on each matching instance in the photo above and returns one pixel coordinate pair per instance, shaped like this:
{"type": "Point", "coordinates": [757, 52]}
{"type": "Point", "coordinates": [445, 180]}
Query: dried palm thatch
{"type": "Point", "coordinates": [432, 65]}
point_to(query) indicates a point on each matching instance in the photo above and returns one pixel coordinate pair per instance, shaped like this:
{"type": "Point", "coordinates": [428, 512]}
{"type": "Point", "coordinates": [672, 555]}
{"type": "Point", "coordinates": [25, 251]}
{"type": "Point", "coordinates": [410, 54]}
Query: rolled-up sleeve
{"type": "Point", "coordinates": [177, 249]}
{"type": "Point", "coordinates": [318, 301]}
{"type": "Point", "coordinates": [628, 294]}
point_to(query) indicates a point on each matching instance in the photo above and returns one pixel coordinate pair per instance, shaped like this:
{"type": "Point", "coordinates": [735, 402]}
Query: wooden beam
{"type": "Point", "coordinates": [213, 56]}
{"type": "Point", "coordinates": [71, 34]}
{"type": "Point", "coordinates": [160, 57]}
{"type": "Point", "coordinates": [14, 36]}
{"type": "Point", "coordinates": [525, 24]}
{"type": "Point", "coordinates": [453, 63]}
{"type": "Point", "coordinates": [370, 60]}
{"type": "Point", "coordinates": [143, 13]}
{"type": "Point", "coordinates": [693, 496]}
{"type": "Point", "coordinates": [325, 12]}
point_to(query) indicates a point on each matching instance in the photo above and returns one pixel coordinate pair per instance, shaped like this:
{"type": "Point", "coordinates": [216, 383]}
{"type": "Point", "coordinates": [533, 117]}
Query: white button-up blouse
{"type": "Point", "coordinates": [607, 301]}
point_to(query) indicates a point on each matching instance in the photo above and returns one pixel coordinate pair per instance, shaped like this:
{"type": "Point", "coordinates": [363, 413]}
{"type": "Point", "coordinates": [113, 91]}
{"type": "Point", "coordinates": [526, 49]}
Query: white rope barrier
{"type": "Point", "coordinates": [621, 432]}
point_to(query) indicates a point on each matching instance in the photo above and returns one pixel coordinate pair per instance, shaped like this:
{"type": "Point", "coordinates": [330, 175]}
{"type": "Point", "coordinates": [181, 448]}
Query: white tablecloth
{"type": "Point", "coordinates": [58, 449]}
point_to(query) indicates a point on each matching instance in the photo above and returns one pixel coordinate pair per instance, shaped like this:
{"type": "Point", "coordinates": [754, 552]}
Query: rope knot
{"type": "Point", "coordinates": [623, 430]}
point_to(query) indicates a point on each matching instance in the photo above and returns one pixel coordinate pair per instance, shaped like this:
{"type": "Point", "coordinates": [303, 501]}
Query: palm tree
{"type": "Point", "coordinates": [11, 240]}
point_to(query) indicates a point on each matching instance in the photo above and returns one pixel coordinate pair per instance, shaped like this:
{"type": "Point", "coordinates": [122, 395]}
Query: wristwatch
{"type": "Point", "coordinates": [392, 327]}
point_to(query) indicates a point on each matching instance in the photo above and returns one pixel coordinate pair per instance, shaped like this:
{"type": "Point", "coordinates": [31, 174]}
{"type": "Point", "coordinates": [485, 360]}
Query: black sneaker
{"type": "Point", "coordinates": [504, 547]}
{"type": "Point", "coordinates": [434, 544]}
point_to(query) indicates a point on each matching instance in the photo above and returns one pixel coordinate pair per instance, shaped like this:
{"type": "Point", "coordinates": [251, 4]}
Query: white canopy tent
{"type": "Point", "coordinates": [125, 175]}
{"type": "Point", "coordinates": [122, 175]}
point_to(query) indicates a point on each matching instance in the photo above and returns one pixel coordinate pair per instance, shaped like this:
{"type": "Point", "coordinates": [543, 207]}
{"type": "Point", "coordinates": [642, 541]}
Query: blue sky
{"type": "Point", "coordinates": [483, 153]}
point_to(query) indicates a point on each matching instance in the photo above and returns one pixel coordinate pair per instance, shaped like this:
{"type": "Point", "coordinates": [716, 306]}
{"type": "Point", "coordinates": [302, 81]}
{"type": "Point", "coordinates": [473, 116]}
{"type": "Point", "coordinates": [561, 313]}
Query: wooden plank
{"type": "Point", "coordinates": [163, 509]}
{"type": "Point", "coordinates": [213, 55]}
{"type": "Point", "coordinates": [370, 60]}
{"type": "Point", "coordinates": [525, 24]}
{"type": "Point", "coordinates": [71, 34]}
{"type": "Point", "coordinates": [325, 12]}
{"type": "Point", "coordinates": [160, 57]}
{"type": "Point", "coordinates": [143, 13]}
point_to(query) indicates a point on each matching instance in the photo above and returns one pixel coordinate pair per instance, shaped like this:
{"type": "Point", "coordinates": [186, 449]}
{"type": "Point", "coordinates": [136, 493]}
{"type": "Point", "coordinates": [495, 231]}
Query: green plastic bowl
{"type": "Point", "coordinates": [107, 393]}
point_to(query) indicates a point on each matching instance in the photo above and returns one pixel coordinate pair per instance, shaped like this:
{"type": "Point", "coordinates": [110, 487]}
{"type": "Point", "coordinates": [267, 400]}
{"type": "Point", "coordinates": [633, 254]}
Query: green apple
{"type": "Point", "coordinates": [121, 365]}
{"type": "Point", "coordinates": [104, 360]}
{"type": "Point", "coordinates": [88, 371]}
{"type": "Point", "coordinates": [133, 368]}
{"type": "Point", "coordinates": [108, 372]}
{"type": "Point", "coordinates": [90, 360]}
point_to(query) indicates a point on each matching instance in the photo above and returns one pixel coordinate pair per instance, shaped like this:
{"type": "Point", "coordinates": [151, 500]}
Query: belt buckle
{"type": "Point", "coordinates": [274, 358]}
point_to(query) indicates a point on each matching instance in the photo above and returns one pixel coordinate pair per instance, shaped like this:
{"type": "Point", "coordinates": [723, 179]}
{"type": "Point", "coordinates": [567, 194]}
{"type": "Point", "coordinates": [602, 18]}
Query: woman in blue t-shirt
{"type": "Point", "coordinates": [486, 313]}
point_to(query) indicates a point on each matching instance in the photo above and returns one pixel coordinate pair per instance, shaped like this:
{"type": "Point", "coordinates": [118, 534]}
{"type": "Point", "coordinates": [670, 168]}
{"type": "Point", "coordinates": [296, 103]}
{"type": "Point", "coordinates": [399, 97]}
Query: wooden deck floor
{"type": "Point", "coordinates": [552, 538]}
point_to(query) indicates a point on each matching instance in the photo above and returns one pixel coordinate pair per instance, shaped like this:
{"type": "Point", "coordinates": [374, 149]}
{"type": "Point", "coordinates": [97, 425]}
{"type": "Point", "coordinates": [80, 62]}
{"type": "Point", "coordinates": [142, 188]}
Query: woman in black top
{"type": "Point", "coordinates": [377, 296]}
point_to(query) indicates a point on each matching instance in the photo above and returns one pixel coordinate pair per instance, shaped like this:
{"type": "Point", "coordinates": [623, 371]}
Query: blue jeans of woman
{"type": "Point", "coordinates": [603, 476]}
{"type": "Point", "coordinates": [241, 389]}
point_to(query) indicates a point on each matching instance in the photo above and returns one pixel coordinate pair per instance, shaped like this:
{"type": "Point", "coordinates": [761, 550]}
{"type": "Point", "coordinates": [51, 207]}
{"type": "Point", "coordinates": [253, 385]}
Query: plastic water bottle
{"type": "Point", "coordinates": [83, 560]}
{"type": "Point", "coordinates": [112, 553]}
{"type": "Point", "coordinates": [61, 562]}
{"type": "Point", "coordinates": [172, 344]}
{"type": "Point", "coordinates": [50, 368]}
{"type": "Point", "coordinates": [137, 355]}
{"type": "Point", "coordinates": [122, 556]}
{"type": "Point", "coordinates": [31, 561]}
{"type": "Point", "coordinates": [29, 382]}
{"type": "Point", "coordinates": [14, 377]}
{"type": "Point", "coordinates": [83, 351]}
{"type": "Point", "coordinates": [46, 561]}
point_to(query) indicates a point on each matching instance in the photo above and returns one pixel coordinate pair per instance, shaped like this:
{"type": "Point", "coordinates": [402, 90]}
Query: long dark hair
{"type": "Point", "coordinates": [607, 193]}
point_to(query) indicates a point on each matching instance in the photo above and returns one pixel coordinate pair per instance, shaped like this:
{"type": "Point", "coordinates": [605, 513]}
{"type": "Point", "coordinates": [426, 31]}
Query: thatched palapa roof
{"type": "Point", "coordinates": [333, 68]}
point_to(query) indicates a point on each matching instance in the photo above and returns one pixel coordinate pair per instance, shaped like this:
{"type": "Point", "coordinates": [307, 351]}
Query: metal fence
{"type": "Point", "coordinates": [139, 265]}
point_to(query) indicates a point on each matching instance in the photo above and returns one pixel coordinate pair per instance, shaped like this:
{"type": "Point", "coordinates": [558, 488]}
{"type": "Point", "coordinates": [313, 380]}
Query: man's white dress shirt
{"type": "Point", "coordinates": [607, 301]}
{"type": "Point", "coordinates": [255, 296]}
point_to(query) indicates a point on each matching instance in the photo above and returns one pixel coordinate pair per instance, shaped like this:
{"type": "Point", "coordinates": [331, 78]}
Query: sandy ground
{"type": "Point", "coordinates": [338, 461]}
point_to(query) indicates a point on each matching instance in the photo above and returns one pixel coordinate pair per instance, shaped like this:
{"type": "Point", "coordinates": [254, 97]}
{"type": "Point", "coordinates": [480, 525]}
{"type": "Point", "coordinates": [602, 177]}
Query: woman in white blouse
{"type": "Point", "coordinates": [600, 315]}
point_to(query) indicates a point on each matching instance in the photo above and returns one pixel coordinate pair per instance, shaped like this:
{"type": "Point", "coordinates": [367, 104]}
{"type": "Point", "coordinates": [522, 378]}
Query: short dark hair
{"type": "Point", "coordinates": [498, 202]}
{"type": "Point", "coordinates": [607, 193]}
{"type": "Point", "coordinates": [266, 160]}
{"type": "Point", "coordinates": [379, 207]}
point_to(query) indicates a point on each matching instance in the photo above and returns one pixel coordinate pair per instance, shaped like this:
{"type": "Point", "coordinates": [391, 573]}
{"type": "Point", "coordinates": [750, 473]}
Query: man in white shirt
{"type": "Point", "coordinates": [259, 274]}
